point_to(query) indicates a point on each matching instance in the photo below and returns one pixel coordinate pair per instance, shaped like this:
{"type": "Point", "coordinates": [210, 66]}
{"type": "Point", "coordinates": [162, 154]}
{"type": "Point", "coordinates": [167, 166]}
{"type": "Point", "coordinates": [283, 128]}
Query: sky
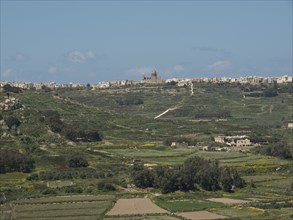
{"type": "Point", "coordinates": [94, 41]}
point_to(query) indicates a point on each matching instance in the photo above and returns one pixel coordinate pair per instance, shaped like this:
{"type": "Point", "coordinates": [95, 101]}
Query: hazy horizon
{"type": "Point", "coordinates": [95, 41]}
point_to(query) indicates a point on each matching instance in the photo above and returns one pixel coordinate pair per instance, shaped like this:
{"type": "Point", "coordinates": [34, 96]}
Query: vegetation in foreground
{"type": "Point", "coordinates": [70, 142]}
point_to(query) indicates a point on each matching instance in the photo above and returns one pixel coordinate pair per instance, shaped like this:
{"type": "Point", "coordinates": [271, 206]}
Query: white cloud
{"type": "Point", "coordinates": [90, 54]}
{"type": "Point", "coordinates": [20, 57]}
{"type": "Point", "coordinates": [220, 65]}
{"type": "Point", "coordinates": [8, 72]}
{"type": "Point", "coordinates": [53, 70]}
{"type": "Point", "coordinates": [76, 57]}
{"type": "Point", "coordinates": [178, 68]}
{"type": "Point", "coordinates": [80, 57]}
{"type": "Point", "coordinates": [140, 70]}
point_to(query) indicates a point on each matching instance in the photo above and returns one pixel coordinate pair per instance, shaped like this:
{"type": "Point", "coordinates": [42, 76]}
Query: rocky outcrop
{"type": "Point", "coordinates": [10, 104]}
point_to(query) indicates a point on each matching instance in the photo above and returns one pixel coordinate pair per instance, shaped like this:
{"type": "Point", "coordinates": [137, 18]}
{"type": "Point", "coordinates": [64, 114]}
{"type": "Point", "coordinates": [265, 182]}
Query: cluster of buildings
{"type": "Point", "coordinates": [232, 143]}
{"type": "Point", "coordinates": [237, 141]}
{"type": "Point", "coordinates": [152, 79]}
{"type": "Point", "coordinates": [40, 86]}
{"type": "Point", "coordinates": [155, 79]}
{"type": "Point", "coordinates": [253, 80]}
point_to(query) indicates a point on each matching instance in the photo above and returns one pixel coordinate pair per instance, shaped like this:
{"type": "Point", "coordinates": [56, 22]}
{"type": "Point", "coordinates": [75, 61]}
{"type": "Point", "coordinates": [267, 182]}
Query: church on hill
{"type": "Point", "coordinates": [153, 79]}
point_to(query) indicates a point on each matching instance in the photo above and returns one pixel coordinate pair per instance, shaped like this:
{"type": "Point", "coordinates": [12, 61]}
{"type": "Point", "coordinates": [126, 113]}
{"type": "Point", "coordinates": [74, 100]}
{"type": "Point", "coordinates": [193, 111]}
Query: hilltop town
{"type": "Point", "coordinates": [154, 79]}
{"type": "Point", "coordinates": [67, 149]}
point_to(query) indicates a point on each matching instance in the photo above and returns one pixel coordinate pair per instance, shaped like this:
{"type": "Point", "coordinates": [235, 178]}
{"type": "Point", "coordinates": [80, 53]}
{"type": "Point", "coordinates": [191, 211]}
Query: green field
{"type": "Point", "coordinates": [62, 207]}
{"type": "Point", "coordinates": [130, 133]}
{"type": "Point", "coordinates": [188, 205]}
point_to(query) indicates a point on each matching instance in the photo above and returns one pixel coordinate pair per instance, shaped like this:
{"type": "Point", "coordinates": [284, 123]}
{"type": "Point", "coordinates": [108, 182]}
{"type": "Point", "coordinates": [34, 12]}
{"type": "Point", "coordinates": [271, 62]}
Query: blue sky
{"type": "Point", "coordinates": [91, 41]}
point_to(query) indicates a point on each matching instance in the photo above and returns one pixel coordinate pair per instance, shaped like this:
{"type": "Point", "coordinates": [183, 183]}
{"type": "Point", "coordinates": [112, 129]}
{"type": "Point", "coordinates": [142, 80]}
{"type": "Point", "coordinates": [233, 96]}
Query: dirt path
{"type": "Point", "coordinates": [266, 109]}
{"type": "Point", "coordinates": [169, 109]}
{"type": "Point", "coordinates": [271, 109]}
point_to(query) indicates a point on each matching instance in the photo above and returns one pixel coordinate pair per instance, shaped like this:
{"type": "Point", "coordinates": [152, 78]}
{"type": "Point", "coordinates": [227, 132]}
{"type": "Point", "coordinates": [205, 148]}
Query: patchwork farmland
{"type": "Point", "coordinates": [81, 179]}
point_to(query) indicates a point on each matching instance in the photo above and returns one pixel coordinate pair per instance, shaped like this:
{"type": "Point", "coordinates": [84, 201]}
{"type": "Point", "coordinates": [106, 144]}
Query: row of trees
{"type": "Point", "coordinates": [53, 119]}
{"type": "Point", "coordinates": [281, 150]}
{"type": "Point", "coordinates": [258, 91]}
{"type": "Point", "coordinates": [8, 88]}
{"type": "Point", "coordinates": [81, 173]}
{"type": "Point", "coordinates": [13, 161]}
{"type": "Point", "coordinates": [216, 114]}
{"type": "Point", "coordinates": [130, 101]}
{"type": "Point", "coordinates": [187, 140]}
{"type": "Point", "coordinates": [194, 172]}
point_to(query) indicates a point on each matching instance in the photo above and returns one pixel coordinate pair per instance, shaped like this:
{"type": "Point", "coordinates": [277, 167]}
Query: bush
{"type": "Point", "coordinates": [280, 150]}
{"type": "Point", "coordinates": [83, 173]}
{"type": "Point", "coordinates": [53, 119]}
{"type": "Point", "coordinates": [9, 88]}
{"type": "Point", "coordinates": [182, 140]}
{"type": "Point", "coordinates": [270, 92]}
{"type": "Point", "coordinates": [220, 114]}
{"type": "Point", "coordinates": [77, 161]}
{"type": "Point", "coordinates": [49, 191]}
{"type": "Point", "coordinates": [82, 136]}
{"type": "Point", "coordinates": [106, 187]}
{"type": "Point", "coordinates": [73, 189]}
{"type": "Point", "coordinates": [12, 122]}
{"type": "Point", "coordinates": [130, 101]}
{"type": "Point", "coordinates": [13, 161]}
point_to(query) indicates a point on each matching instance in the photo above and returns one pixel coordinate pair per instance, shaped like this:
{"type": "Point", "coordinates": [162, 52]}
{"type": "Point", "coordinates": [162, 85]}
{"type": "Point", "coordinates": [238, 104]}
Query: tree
{"type": "Point", "coordinates": [53, 119]}
{"type": "Point", "coordinates": [13, 161]}
{"type": "Point", "coordinates": [106, 187]}
{"type": "Point", "coordinates": [270, 92]}
{"type": "Point", "coordinates": [77, 161]}
{"type": "Point", "coordinates": [141, 176]}
{"type": "Point", "coordinates": [8, 88]}
{"type": "Point", "coordinates": [74, 134]}
{"type": "Point", "coordinates": [280, 150]}
{"type": "Point", "coordinates": [237, 180]}
{"type": "Point", "coordinates": [226, 179]}
{"type": "Point", "coordinates": [208, 176]}
{"type": "Point", "coordinates": [194, 171]}
{"type": "Point", "coordinates": [12, 122]}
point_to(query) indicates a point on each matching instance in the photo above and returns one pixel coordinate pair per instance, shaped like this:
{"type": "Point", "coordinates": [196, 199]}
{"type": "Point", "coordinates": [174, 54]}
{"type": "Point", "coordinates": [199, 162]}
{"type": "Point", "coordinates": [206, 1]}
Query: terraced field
{"type": "Point", "coordinates": [130, 133]}
{"type": "Point", "coordinates": [60, 207]}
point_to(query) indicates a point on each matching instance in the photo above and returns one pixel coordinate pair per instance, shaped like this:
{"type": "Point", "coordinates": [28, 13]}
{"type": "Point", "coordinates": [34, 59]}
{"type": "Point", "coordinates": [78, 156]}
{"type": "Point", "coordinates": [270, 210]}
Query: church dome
{"type": "Point", "coordinates": [154, 73]}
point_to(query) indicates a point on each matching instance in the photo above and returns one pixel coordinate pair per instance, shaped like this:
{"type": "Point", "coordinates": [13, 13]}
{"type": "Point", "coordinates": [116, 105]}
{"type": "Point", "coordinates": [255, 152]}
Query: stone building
{"type": "Point", "coordinates": [238, 141]}
{"type": "Point", "coordinates": [153, 79]}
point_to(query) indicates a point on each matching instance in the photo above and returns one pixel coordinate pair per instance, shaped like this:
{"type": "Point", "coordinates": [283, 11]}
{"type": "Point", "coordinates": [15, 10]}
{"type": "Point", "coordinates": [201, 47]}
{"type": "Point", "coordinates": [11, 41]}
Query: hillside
{"type": "Point", "coordinates": [113, 128]}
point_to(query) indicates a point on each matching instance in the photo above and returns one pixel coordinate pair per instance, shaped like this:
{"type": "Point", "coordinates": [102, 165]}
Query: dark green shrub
{"type": "Point", "coordinates": [73, 189]}
{"type": "Point", "coordinates": [9, 88]}
{"type": "Point", "coordinates": [12, 122]}
{"type": "Point", "coordinates": [77, 161]}
{"type": "Point", "coordinates": [49, 191]}
{"type": "Point", "coordinates": [13, 161]}
{"type": "Point", "coordinates": [106, 187]}
{"type": "Point", "coordinates": [270, 92]}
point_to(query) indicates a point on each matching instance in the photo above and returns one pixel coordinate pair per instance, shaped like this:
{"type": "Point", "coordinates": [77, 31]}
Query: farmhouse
{"type": "Point", "coordinates": [220, 139]}
{"type": "Point", "coordinates": [290, 125]}
{"type": "Point", "coordinates": [237, 141]}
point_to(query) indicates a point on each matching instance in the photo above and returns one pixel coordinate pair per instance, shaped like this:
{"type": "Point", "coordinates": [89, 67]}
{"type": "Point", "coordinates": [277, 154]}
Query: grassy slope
{"type": "Point", "coordinates": [128, 130]}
